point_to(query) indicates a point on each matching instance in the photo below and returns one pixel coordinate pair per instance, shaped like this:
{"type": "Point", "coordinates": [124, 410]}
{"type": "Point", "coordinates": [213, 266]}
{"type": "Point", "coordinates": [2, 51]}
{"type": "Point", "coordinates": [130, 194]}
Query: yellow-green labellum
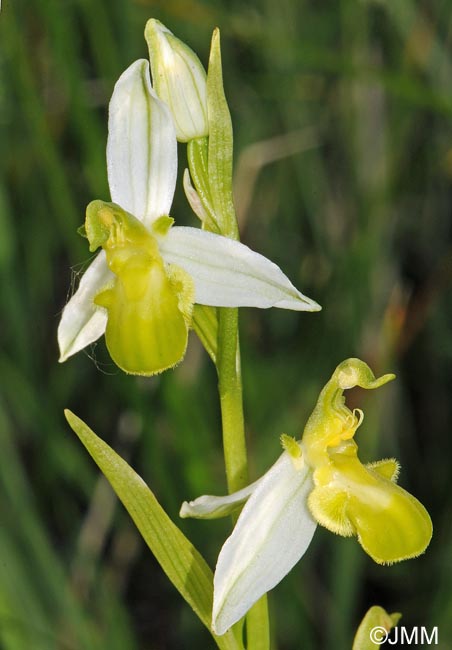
{"type": "Point", "coordinates": [353, 499]}
{"type": "Point", "coordinates": [149, 304]}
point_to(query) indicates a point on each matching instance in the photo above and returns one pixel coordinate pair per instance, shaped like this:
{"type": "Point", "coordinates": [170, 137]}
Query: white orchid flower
{"type": "Point", "coordinates": [319, 479]}
{"type": "Point", "coordinates": [141, 288]}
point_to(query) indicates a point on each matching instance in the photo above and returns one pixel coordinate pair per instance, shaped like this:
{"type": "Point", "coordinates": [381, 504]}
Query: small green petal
{"type": "Point", "coordinates": [82, 231]}
{"type": "Point", "coordinates": [205, 324]}
{"type": "Point", "coordinates": [290, 445]}
{"type": "Point", "coordinates": [162, 225]}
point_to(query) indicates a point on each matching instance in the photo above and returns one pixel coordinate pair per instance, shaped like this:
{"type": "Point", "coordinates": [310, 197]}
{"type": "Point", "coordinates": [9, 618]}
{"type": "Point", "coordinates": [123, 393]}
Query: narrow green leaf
{"type": "Point", "coordinates": [197, 154]}
{"type": "Point", "coordinates": [177, 556]}
{"type": "Point", "coordinates": [205, 324]}
{"type": "Point", "coordinates": [220, 144]}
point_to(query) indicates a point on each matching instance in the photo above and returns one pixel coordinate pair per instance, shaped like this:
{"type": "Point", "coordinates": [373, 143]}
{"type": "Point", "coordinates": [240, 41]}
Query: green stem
{"type": "Point", "coordinates": [230, 389]}
{"type": "Point", "coordinates": [257, 626]}
{"type": "Point", "coordinates": [210, 162]}
{"type": "Point", "coordinates": [234, 446]}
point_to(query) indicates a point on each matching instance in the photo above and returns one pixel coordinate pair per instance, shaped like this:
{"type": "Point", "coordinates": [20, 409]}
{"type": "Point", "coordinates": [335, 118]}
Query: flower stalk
{"type": "Point", "coordinates": [231, 400]}
{"type": "Point", "coordinates": [220, 205]}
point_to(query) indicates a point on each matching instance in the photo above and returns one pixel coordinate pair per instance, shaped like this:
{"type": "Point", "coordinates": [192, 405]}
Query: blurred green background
{"type": "Point", "coordinates": [342, 114]}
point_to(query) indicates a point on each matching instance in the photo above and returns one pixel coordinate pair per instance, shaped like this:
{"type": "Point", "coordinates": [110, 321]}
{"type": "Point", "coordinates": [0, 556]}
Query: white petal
{"type": "Point", "coordinates": [211, 507]}
{"type": "Point", "coordinates": [141, 147]}
{"type": "Point", "coordinates": [229, 274]}
{"type": "Point", "coordinates": [272, 533]}
{"type": "Point", "coordinates": [82, 322]}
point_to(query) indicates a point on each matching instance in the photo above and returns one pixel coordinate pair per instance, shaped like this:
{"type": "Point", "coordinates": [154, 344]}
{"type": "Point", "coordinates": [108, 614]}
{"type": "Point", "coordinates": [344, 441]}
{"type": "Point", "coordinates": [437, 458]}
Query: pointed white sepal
{"type": "Point", "coordinates": [141, 147]}
{"type": "Point", "coordinates": [82, 322]}
{"type": "Point", "coordinates": [272, 533]}
{"type": "Point", "coordinates": [212, 507]}
{"type": "Point", "coordinates": [229, 274]}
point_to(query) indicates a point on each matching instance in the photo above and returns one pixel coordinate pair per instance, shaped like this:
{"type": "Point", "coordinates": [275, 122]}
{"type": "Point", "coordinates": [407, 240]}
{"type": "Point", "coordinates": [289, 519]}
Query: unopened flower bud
{"type": "Point", "coordinates": [179, 79]}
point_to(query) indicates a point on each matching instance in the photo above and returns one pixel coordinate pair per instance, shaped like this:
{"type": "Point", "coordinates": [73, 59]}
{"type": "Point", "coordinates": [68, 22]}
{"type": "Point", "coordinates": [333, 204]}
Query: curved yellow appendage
{"type": "Point", "coordinates": [331, 422]}
{"type": "Point", "coordinates": [149, 305]}
{"type": "Point", "coordinates": [350, 498]}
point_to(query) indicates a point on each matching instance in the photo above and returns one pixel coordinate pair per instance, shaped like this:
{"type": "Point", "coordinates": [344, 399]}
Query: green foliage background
{"type": "Point", "coordinates": [342, 114]}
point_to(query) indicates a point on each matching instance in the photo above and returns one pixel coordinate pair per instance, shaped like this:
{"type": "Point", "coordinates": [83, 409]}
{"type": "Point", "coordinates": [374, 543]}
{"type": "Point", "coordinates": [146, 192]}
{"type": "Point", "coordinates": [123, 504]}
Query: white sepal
{"type": "Point", "coordinates": [229, 274]}
{"type": "Point", "coordinates": [82, 322]}
{"type": "Point", "coordinates": [141, 147]}
{"type": "Point", "coordinates": [272, 533]}
{"type": "Point", "coordinates": [212, 507]}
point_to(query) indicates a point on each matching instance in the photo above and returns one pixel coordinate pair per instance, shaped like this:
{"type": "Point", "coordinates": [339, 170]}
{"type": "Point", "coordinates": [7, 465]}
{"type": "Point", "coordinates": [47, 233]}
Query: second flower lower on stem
{"type": "Point", "coordinates": [318, 480]}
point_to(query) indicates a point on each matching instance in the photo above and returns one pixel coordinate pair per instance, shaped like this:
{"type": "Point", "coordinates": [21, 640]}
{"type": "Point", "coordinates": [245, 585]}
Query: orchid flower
{"type": "Point", "coordinates": [141, 287]}
{"type": "Point", "coordinates": [318, 479]}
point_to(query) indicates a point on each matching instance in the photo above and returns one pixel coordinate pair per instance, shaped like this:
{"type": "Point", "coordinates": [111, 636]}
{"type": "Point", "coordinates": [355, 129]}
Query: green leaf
{"type": "Point", "coordinates": [205, 324]}
{"type": "Point", "coordinates": [177, 556]}
{"type": "Point", "coordinates": [197, 155]}
{"type": "Point", "coordinates": [374, 628]}
{"type": "Point", "coordinates": [220, 144]}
